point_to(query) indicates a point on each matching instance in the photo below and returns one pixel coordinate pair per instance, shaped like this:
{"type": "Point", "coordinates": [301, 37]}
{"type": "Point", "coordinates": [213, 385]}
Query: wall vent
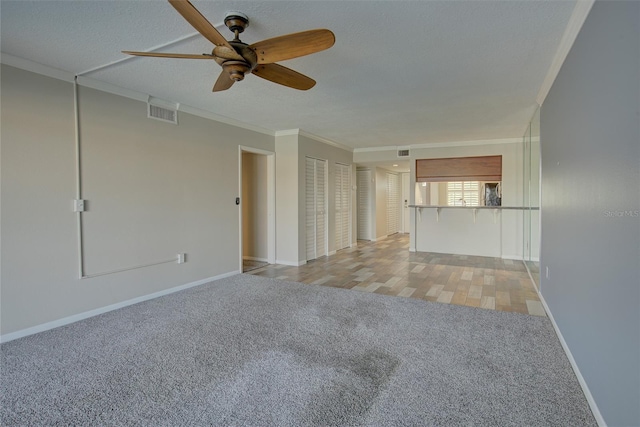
{"type": "Point", "coordinates": [162, 110]}
{"type": "Point", "coordinates": [403, 153]}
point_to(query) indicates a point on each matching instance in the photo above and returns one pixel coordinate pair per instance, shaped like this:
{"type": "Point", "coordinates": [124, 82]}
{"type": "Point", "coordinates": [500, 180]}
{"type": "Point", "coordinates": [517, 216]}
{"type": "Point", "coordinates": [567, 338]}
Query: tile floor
{"type": "Point", "coordinates": [387, 267]}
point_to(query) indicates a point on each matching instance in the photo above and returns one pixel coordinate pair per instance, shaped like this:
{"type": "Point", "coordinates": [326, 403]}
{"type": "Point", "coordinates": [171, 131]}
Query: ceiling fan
{"type": "Point", "coordinates": [238, 58]}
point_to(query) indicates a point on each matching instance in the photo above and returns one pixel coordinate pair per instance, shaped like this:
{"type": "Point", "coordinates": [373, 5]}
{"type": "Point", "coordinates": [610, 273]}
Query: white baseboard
{"type": "Point", "coordinates": [251, 258]}
{"type": "Point", "coordinates": [81, 316]}
{"type": "Point", "coordinates": [331, 253]}
{"type": "Point", "coordinates": [377, 239]}
{"type": "Point", "coordinates": [583, 384]}
{"type": "Point", "coordinates": [291, 263]}
{"type": "Point", "coordinates": [512, 257]}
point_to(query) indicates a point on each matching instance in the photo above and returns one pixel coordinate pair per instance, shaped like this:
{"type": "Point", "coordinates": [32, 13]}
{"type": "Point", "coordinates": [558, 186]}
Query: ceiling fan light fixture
{"type": "Point", "coordinates": [236, 69]}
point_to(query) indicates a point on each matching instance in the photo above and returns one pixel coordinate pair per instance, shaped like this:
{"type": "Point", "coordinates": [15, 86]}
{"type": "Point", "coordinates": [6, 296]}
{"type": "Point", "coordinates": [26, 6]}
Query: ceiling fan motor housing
{"type": "Point", "coordinates": [237, 69]}
{"type": "Point", "coordinates": [236, 21]}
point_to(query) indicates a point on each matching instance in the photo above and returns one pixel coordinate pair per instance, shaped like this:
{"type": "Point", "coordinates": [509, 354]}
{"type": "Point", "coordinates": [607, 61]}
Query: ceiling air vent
{"type": "Point", "coordinates": [403, 153]}
{"type": "Point", "coordinates": [162, 110]}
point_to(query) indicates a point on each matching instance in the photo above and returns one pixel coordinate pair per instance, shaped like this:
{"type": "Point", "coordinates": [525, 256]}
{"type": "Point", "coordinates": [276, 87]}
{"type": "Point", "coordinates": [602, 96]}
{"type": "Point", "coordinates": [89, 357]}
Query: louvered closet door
{"type": "Point", "coordinates": [315, 203]}
{"type": "Point", "coordinates": [342, 206]}
{"type": "Point", "coordinates": [393, 203]}
{"type": "Point", "coordinates": [364, 204]}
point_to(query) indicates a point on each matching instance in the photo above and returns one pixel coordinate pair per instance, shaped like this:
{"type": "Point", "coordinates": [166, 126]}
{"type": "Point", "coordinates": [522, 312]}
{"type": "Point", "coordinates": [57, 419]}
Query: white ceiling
{"type": "Point", "coordinates": [400, 72]}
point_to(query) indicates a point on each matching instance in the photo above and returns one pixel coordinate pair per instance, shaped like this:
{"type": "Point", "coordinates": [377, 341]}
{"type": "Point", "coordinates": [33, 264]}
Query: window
{"type": "Point", "coordinates": [463, 193]}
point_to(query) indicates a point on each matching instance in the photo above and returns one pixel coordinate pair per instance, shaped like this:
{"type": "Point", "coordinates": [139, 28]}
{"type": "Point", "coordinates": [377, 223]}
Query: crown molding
{"type": "Point", "coordinates": [385, 148]}
{"type": "Point", "coordinates": [287, 132]}
{"type": "Point", "coordinates": [223, 119]}
{"type": "Point", "coordinates": [112, 89]}
{"type": "Point", "coordinates": [468, 143]}
{"type": "Point", "coordinates": [578, 16]}
{"type": "Point", "coordinates": [25, 64]}
{"type": "Point", "coordinates": [34, 67]}
{"type": "Point", "coordinates": [440, 145]}
{"type": "Point", "coordinates": [306, 134]}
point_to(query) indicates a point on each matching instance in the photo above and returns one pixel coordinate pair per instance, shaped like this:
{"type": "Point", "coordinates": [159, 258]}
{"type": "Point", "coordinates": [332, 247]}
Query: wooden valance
{"type": "Point", "coordinates": [483, 168]}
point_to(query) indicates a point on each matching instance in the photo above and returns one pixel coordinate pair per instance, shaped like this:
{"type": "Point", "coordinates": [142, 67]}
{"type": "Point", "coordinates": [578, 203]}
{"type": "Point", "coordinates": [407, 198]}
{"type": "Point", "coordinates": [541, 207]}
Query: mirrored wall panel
{"type": "Point", "coordinates": [531, 198]}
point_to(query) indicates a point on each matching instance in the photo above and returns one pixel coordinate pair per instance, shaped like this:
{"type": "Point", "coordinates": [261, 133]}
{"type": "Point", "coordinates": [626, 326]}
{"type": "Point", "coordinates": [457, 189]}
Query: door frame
{"type": "Point", "coordinates": [271, 201]}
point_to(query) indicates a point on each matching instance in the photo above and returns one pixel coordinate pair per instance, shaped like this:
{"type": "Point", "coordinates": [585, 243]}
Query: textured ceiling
{"type": "Point", "coordinates": [400, 72]}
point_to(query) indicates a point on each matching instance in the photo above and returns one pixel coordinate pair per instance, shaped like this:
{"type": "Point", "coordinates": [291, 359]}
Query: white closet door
{"type": "Point", "coordinates": [315, 207]}
{"type": "Point", "coordinates": [364, 204]}
{"type": "Point", "coordinates": [321, 208]}
{"type": "Point", "coordinates": [342, 206]}
{"type": "Point", "coordinates": [393, 202]}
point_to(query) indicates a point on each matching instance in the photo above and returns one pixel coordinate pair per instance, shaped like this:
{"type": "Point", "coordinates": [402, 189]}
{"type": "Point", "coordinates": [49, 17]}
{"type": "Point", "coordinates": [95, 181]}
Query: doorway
{"type": "Point", "coordinates": [257, 208]}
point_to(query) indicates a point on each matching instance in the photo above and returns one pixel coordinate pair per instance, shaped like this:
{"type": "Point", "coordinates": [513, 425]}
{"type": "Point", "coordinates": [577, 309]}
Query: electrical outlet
{"type": "Point", "coordinates": [181, 258]}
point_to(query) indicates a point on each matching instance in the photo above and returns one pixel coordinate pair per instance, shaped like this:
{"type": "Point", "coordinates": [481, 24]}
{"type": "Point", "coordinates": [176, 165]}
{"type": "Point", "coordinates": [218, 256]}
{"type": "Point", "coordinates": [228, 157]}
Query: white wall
{"type": "Point", "coordinates": [510, 221]}
{"type": "Point", "coordinates": [286, 147]}
{"type": "Point", "coordinates": [405, 190]}
{"type": "Point", "coordinates": [291, 150]}
{"type": "Point", "coordinates": [154, 189]}
{"type": "Point", "coordinates": [381, 203]}
{"type": "Point", "coordinates": [254, 206]}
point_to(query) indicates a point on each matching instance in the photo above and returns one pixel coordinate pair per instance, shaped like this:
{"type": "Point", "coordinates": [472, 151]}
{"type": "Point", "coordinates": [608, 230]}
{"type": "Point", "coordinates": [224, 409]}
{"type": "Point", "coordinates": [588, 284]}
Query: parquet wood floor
{"type": "Point", "coordinates": [387, 267]}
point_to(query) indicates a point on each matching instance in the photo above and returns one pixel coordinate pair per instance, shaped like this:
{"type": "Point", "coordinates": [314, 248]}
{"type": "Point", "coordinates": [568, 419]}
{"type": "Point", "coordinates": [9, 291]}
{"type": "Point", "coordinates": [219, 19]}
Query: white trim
{"type": "Point", "coordinates": [271, 201]}
{"type": "Point", "coordinates": [326, 141]}
{"type": "Point", "coordinates": [512, 257]}
{"type": "Point", "coordinates": [287, 132]}
{"type": "Point", "coordinates": [373, 149]}
{"type": "Point", "coordinates": [517, 140]}
{"type": "Point", "coordinates": [578, 16]}
{"type": "Point", "coordinates": [377, 239]}
{"type": "Point", "coordinates": [91, 313]}
{"type": "Point", "coordinates": [306, 134]}
{"type": "Point", "coordinates": [585, 388]}
{"type": "Point", "coordinates": [112, 89]}
{"type": "Point", "coordinates": [332, 253]}
{"type": "Point", "coordinates": [102, 86]}
{"type": "Point", "coordinates": [291, 263]}
{"type": "Point", "coordinates": [222, 119]}
{"type": "Point", "coordinates": [34, 67]}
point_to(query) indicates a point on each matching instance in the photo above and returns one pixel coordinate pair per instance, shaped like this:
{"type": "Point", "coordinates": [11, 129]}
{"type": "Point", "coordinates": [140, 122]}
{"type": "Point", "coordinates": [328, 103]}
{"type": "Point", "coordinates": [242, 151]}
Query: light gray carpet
{"type": "Point", "coordinates": [253, 351]}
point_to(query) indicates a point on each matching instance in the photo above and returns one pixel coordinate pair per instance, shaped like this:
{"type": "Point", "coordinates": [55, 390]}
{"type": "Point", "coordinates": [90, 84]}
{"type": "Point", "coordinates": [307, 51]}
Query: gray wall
{"type": "Point", "coordinates": [590, 136]}
{"type": "Point", "coordinates": [154, 190]}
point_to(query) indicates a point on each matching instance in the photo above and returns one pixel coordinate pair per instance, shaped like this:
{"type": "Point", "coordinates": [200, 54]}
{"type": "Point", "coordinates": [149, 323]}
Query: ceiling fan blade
{"type": "Point", "coordinates": [224, 82]}
{"type": "Point", "coordinates": [293, 45]}
{"type": "Point", "coordinates": [226, 53]}
{"type": "Point", "coordinates": [199, 22]}
{"type": "Point", "coordinates": [171, 55]}
{"type": "Point", "coordinates": [284, 76]}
